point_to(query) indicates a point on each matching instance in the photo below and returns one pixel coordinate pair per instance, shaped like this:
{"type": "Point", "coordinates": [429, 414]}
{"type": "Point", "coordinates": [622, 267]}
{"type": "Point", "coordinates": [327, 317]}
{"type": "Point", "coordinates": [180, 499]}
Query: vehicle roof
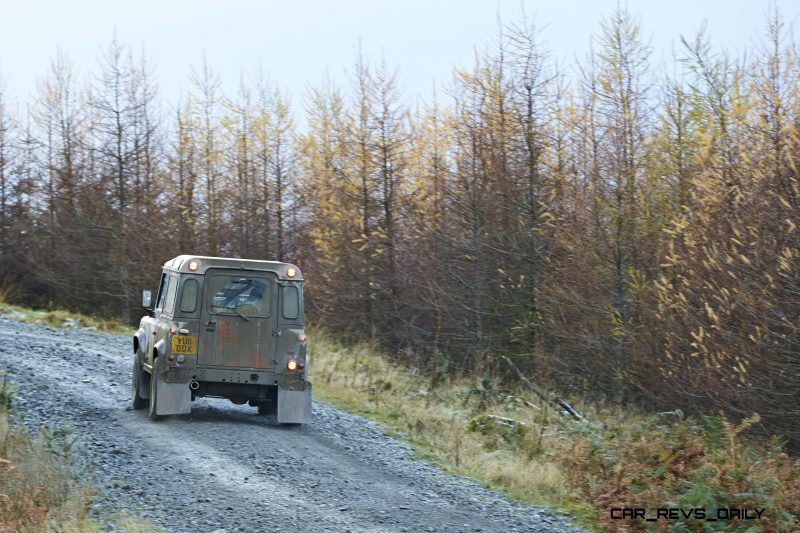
{"type": "Point", "coordinates": [181, 264]}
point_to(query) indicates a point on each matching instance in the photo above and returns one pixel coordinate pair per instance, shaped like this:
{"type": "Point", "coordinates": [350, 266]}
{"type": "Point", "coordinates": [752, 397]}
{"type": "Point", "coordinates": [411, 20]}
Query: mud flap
{"type": "Point", "coordinates": [144, 384]}
{"type": "Point", "coordinates": [294, 406]}
{"type": "Point", "coordinates": [173, 398]}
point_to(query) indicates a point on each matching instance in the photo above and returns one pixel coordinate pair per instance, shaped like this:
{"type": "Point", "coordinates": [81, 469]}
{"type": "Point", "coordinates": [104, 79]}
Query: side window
{"type": "Point", "coordinates": [162, 292]}
{"type": "Point", "coordinates": [291, 302]}
{"type": "Point", "coordinates": [169, 306]}
{"type": "Point", "coordinates": [189, 296]}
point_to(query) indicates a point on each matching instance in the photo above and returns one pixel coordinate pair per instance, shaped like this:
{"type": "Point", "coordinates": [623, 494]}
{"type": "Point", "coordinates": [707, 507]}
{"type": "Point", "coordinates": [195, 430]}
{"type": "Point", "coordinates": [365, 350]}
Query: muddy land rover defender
{"type": "Point", "coordinates": [225, 328]}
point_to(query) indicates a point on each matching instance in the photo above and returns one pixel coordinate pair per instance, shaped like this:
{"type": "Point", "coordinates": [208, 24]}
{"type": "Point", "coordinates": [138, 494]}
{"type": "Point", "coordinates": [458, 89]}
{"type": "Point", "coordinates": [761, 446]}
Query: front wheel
{"type": "Point", "coordinates": [137, 379]}
{"type": "Point", "coordinates": [153, 391]}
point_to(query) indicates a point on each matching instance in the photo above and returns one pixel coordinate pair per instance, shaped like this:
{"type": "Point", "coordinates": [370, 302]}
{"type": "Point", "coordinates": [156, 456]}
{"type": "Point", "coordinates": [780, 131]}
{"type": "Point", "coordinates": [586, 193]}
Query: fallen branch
{"type": "Point", "coordinates": [510, 422]}
{"type": "Point", "coordinates": [558, 401]}
{"type": "Point", "coordinates": [531, 405]}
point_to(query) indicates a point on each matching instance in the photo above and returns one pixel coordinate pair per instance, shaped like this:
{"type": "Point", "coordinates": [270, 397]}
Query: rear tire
{"type": "Point", "coordinates": [154, 391]}
{"type": "Point", "coordinates": [137, 378]}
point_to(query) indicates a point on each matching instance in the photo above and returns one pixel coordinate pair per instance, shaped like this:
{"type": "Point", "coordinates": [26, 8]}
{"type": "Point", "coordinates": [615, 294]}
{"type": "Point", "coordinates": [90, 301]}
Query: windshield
{"type": "Point", "coordinates": [239, 295]}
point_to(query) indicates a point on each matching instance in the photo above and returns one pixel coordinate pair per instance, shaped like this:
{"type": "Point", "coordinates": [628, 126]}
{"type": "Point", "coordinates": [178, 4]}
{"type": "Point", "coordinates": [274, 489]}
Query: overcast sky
{"type": "Point", "coordinates": [296, 41]}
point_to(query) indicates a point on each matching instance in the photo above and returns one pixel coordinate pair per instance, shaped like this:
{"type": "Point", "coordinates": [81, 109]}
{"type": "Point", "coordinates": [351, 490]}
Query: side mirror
{"type": "Point", "coordinates": [147, 299]}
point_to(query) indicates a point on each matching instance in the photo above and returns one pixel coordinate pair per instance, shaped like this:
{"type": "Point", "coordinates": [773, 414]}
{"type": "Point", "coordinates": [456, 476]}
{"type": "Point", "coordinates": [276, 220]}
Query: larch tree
{"type": "Point", "coordinates": [7, 151]}
{"type": "Point", "coordinates": [615, 152]}
{"type": "Point", "coordinates": [205, 117]}
{"type": "Point", "coordinates": [725, 293]}
{"type": "Point", "coordinates": [185, 173]}
{"type": "Point", "coordinates": [241, 165]}
{"type": "Point", "coordinates": [282, 163]}
{"type": "Point", "coordinates": [60, 117]}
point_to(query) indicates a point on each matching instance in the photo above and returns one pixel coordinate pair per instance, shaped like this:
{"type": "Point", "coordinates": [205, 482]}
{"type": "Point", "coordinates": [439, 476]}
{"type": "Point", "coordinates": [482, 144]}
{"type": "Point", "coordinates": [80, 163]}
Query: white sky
{"type": "Point", "coordinates": [296, 41]}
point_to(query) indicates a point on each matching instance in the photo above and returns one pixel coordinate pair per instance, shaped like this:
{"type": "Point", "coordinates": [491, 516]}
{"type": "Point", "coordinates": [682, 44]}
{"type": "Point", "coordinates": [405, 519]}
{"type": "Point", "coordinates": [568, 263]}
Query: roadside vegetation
{"type": "Point", "coordinates": [511, 440]}
{"type": "Point", "coordinates": [40, 488]}
{"type": "Point", "coordinates": [61, 319]}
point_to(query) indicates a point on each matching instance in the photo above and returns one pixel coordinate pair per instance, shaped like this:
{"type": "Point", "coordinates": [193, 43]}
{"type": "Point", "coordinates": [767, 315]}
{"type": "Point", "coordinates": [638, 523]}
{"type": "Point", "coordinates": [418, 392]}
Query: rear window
{"type": "Point", "coordinates": [291, 302]}
{"type": "Point", "coordinates": [189, 296]}
{"type": "Point", "coordinates": [239, 295]}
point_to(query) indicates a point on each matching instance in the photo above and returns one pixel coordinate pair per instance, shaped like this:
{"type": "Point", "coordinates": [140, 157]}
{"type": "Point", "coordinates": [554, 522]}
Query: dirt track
{"type": "Point", "coordinates": [225, 467]}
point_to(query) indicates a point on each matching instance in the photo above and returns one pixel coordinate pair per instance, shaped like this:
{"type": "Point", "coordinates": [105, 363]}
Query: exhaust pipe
{"type": "Point", "coordinates": [194, 385]}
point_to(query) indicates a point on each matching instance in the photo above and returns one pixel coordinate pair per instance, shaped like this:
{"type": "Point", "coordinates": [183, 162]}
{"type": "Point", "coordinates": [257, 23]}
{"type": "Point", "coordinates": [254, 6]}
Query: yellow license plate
{"type": "Point", "coordinates": [184, 345]}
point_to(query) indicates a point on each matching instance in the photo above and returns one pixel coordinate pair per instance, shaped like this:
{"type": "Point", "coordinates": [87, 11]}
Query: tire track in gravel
{"type": "Point", "coordinates": [223, 466]}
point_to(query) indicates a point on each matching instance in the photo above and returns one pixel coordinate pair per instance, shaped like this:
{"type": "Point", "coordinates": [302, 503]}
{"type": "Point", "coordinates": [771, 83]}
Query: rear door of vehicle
{"type": "Point", "coordinates": [238, 319]}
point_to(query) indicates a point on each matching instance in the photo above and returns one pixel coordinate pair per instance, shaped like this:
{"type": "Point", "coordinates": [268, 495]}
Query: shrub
{"type": "Point", "coordinates": [667, 460]}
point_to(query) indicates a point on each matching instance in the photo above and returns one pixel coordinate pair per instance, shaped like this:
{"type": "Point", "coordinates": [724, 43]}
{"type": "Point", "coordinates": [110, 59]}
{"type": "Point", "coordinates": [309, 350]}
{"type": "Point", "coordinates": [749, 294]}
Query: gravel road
{"type": "Point", "coordinates": [225, 467]}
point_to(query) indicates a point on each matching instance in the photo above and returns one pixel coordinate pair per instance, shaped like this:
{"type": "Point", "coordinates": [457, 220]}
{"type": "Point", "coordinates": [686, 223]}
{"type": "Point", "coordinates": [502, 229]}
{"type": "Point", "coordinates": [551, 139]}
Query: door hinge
{"type": "Point", "coordinates": [277, 332]}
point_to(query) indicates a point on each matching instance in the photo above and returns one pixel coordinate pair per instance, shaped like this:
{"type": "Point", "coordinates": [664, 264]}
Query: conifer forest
{"type": "Point", "coordinates": [622, 227]}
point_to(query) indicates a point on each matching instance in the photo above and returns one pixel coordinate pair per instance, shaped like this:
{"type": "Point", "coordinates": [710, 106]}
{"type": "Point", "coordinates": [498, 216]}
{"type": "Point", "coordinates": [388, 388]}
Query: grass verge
{"type": "Point", "coordinates": [62, 319]}
{"type": "Point", "coordinates": [512, 442]}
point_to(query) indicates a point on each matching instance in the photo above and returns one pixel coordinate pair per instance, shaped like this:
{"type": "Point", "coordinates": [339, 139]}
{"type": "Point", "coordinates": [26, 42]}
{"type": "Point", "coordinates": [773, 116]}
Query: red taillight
{"type": "Point", "coordinates": [302, 339]}
{"type": "Point", "coordinates": [173, 331]}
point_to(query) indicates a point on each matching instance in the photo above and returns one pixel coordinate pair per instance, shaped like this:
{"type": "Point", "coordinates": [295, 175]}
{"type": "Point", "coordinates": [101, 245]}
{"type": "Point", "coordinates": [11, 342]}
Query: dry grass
{"type": "Point", "coordinates": [695, 462]}
{"type": "Point", "coordinates": [446, 425]}
{"type": "Point", "coordinates": [40, 490]}
{"type": "Point", "coordinates": [37, 485]}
